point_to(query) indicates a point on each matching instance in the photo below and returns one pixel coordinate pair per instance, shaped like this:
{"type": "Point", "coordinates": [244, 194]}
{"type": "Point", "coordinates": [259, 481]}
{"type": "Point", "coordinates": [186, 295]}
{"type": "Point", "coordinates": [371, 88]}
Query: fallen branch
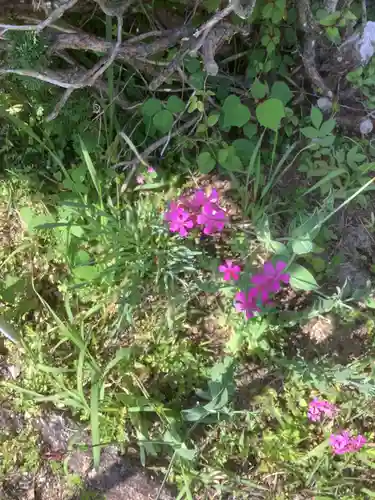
{"type": "Point", "coordinates": [54, 16]}
{"type": "Point", "coordinates": [93, 74]}
{"type": "Point", "coordinates": [311, 29]}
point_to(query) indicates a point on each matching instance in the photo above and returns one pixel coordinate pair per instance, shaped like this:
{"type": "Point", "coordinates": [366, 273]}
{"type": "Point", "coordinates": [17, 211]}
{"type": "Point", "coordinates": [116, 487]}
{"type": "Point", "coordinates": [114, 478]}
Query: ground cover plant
{"type": "Point", "coordinates": [187, 238]}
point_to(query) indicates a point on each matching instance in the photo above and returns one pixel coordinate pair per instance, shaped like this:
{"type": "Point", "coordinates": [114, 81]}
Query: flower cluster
{"type": "Point", "coordinates": [199, 210]}
{"type": "Point", "coordinates": [342, 442]}
{"type": "Point", "coordinates": [318, 409]}
{"type": "Point", "coordinates": [263, 286]}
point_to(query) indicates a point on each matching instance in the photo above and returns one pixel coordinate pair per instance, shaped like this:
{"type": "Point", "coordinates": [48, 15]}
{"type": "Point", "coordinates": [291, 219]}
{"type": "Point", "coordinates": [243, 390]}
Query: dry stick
{"type": "Point", "coordinates": [141, 158]}
{"type": "Point", "coordinates": [54, 16]}
{"type": "Point", "coordinates": [311, 29]}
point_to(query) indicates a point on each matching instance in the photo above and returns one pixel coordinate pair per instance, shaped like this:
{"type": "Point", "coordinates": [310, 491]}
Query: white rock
{"type": "Point", "coordinates": [324, 104]}
{"type": "Point", "coordinates": [366, 127]}
{"type": "Point", "coordinates": [367, 42]}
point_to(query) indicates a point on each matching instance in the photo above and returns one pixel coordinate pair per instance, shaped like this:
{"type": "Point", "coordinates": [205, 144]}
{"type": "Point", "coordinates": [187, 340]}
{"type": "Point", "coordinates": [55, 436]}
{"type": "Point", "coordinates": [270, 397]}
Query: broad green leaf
{"type": "Point", "coordinates": [310, 132]}
{"type": "Point", "coordinates": [175, 104]}
{"type": "Point", "coordinates": [301, 278]}
{"type": "Point", "coordinates": [250, 129]}
{"type": "Point", "coordinates": [280, 90]}
{"type": "Point", "coordinates": [86, 273]}
{"type": "Point", "coordinates": [194, 414]}
{"type": "Point", "coordinates": [163, 121]}
{"type": "Point", "coordinates": [213, 119]}
{"type": "Point", "coordinates": [151, 107]}
{"type": "Point", "coordinates": [327, 127]}
{"type": "Point", "coordinates": [205, 162]}
{"type": "Point", "coordinates": [270, 113]}
{"type": "Point", "coordinates": [331, 19]}
{"type": "Point", "coordinates": [235, 113]}
{"type": "Point", "coordinates": [244, 149]}
{"type": "Point", "coordinates": [316, 117]}
{"type": "Point", "coordinates": [302, 246]}
{"type": "Point", "coordinates": [258, 89]}
{"type": "Point", "coordinates": [185, 453]}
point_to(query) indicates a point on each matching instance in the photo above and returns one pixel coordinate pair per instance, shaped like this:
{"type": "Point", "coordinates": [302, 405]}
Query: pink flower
{"type": "Point", "coordinates": [179, 220]}
{"type": "Point", "coordinates": [247, 302]}
{"type": "Point", "coordinates": [230, 271]}
{"type": "Point", "coordinates": [357, 442]}
{"type": "Point", "coordinates": [270, 280]}
{"type": "Point", "coordinates": [150, 170]}
{"type": "Point", "coordinates": [318, 409]}
{"type": "Point", "coordinates": [202, 209]}
{"type": "Point", "coordinates": [212, 218]}
{"type": "Point", "coordinates": [140, 179]}
{"type": "Point", "coordinates": [340, 443]}
{"type": "Point", "coordinates": [345, 443]}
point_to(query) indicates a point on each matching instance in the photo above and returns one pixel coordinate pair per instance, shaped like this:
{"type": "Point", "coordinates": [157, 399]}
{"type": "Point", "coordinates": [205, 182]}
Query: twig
{"type": "Point", "coordinates": [54, 16]}
{"type": "Point", "coordinates": [141, 158]}
{"type": "Point", "coordinates": [206, 27]}
{"type": "Point", "coordinates": [364, 13]}
{"type": "Point", "coordinates": [47, 76]}
{"type": "Point", "coordinates": [331, 5]}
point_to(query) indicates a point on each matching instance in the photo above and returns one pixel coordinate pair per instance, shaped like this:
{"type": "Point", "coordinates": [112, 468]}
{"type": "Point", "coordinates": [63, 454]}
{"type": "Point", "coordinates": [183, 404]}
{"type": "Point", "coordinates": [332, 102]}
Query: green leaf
{"type": "Point", "coordinates": [244, 149]}
{"type": "Point", "coordinates": [270, 113]}
{"type": "Point", "coordinates": [310, 132]}
{"type": "Point", "coordinates": [205, 162]}
{"type": "Point", "coordinates": [316, 117]}
{"type": "Point", "coordinates": [86, 273]}
{"type": "Point", "coordinates": [194, 414]}
{"type": "Point", "coordinates": [250, 129]}
{"type": "Point", "coordinates": [280, 90]}
{"type": "Point", "coordinates": [175, 104]}
{"type": "Point", "coordinates": [302, 246]}
{"type": "Point", "coordinates": [185, 453]}
{"type": "Point", "coordinates": [235, 113]}
{"type": "Point", "coordinates": [327, 178]}
{"type": "Point", "coordinates": [301, 278]}
{"type": "Point", "coordinates": [327, 127]}
{"type": "Point", "coordinates": [258, 89]}
{"type": "Point", "coordinates": [331, 19]}
{"type": "Point", "coordinates": [163, 121]}
{"type": "Point", "coordinates": [213, 119]}
{"type": "Point", "coordinates": [151, 107]}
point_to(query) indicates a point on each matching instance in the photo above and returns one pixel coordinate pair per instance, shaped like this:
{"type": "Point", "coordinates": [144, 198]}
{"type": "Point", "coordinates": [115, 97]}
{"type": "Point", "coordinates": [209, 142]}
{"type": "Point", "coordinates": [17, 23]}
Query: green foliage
{"type": "Point", "coordinates": [131, 328]}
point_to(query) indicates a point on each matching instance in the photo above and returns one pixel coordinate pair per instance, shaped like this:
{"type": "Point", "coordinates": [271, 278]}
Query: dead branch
{"type": "Point", "coordinates": [54, 16]}
{"type": "Point", "coordinates": [93, 74]}
{"type": "Point", "coordinates": [311, 31]}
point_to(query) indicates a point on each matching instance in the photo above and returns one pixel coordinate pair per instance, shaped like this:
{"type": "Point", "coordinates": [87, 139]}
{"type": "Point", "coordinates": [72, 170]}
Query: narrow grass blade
{"type": "Point", "coordinates": [91, 169]}
{"type": "Point", "coordinates": [325, 179]}
{"type": "Point", "coordinates": [94, 417]}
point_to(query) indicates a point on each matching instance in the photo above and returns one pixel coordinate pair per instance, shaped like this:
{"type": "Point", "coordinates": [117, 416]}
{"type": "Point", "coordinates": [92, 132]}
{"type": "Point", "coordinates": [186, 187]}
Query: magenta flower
{"type": "Point", "coordinates": [230, 271]}
{"type": "Point", "coordinates": [179, 220]}
{"type": "Point", "coordinates": [150, 170]}
{"type": "Point", "coordinates": [358, 442]}
{"type": "Point", "coordinates": [203, 210]}
{"type": "Point", "coordinates": [345, 443]}
{"type": "Point", "coordinates": [270, 280]}
{"type": "Point", "coordinates": [340, 443]}
{"type": "Point", "coordinates": [212, 218]}
{"type": "Point", "coordinates": [318, 409]}
{"type": "Point", "coordinates": [247, 302]}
